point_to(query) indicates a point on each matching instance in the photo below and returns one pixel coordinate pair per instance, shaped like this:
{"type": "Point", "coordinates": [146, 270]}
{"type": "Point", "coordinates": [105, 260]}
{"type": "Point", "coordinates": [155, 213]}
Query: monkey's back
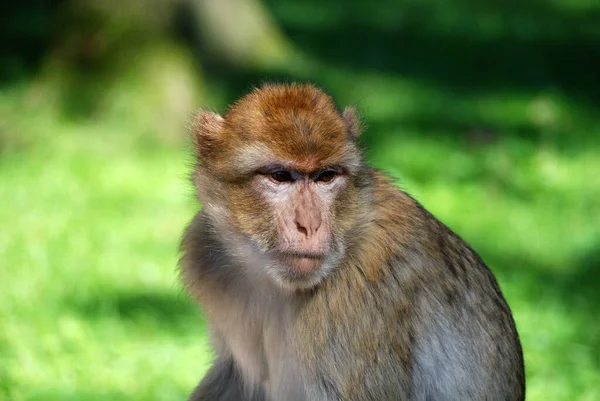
{"type": "Point", "coordinates": [413, 314]}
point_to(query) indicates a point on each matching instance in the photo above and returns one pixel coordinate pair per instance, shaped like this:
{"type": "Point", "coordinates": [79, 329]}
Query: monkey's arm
{"type": "Point", "coordinates": [222, 383]}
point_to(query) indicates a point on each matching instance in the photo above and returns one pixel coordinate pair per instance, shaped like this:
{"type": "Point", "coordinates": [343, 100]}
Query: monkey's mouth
{"type": "Point", "coordinates": [301, 262]}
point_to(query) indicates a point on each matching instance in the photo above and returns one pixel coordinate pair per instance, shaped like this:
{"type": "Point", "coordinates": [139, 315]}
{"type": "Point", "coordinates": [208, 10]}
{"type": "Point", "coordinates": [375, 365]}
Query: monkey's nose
{"type": "Point", "coordinates": [307, 223]}
{"type": "Point", "coordinates": [302, 229]}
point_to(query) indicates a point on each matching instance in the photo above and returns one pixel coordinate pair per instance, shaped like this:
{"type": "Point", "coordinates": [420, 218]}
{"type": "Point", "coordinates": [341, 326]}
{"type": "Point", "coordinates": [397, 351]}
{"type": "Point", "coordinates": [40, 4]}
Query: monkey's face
{"type": "Point", "coordinates": [292, 219]}
{"type": "Point", "coordinates": [295, 211]}
{"type": "Point", "coordinates": [288, 168]}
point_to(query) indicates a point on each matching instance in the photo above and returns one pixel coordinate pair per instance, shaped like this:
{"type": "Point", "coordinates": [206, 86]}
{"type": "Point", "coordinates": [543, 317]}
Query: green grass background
{"type": "Point", "coordinates": [488, 114]}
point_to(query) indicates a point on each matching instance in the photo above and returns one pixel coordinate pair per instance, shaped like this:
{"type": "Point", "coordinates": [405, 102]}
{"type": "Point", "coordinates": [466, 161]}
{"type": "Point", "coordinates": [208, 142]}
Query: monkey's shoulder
{"type": "Point", "coordinates": [202, 255]}
{"type": "Point", "coordinates": [396, 229]}
{"type": "Point", "coordinates": [405, 254]}
{"type": "Point", "coordinates": [401, 229]}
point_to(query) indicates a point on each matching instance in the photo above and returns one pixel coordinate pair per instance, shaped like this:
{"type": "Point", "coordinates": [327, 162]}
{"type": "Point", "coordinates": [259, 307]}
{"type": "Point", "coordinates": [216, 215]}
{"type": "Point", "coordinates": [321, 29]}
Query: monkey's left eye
{"type": "Point", "coordinates": [282, 176]}
{"type": "Point", "coordinates": [326, 175]}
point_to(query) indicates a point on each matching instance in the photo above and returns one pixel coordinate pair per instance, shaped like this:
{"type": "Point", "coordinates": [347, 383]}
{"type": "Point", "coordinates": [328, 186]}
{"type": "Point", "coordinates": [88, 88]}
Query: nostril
{"type": "Point", "coordinates": [302, 229]}
{"type": "Point", "coordinates": [317, 226]}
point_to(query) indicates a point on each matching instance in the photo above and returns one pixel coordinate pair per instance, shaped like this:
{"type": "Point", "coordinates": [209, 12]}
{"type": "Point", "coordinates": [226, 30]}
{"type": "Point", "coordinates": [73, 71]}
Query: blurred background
{"type": "Point", "coordinates": [485, 111]}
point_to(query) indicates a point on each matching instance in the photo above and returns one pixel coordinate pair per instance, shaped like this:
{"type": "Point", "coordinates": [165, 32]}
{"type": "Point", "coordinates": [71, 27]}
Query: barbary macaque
{"type": "Point", "coordinates": [323, 281]}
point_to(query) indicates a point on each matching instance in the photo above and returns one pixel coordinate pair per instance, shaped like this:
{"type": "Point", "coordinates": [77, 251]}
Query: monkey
{"type": "Point", "coordinates": [321, 279]}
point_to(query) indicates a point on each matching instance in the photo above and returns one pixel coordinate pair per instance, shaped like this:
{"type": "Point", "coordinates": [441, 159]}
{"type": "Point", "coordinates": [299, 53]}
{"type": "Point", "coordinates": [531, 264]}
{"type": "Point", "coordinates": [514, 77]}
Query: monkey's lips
{"type": "Point", "coordinates": [302, 263]}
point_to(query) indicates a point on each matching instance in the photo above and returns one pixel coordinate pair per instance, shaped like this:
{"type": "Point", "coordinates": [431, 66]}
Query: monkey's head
{"type": "Point", "coordinates": [281, 176]}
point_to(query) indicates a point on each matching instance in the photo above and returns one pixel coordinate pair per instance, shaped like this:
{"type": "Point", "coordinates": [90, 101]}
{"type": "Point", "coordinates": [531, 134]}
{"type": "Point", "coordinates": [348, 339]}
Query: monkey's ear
{"type": "Point", "coordinates": [352, 120]}
{"type": "Point", "coordinates": [206, 129]}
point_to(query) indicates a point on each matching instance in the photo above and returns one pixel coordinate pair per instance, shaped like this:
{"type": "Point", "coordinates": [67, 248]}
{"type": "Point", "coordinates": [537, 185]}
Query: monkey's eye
{"type": "Point", "coordinates": [326, 175]}
{"type": "Point", "coordinates": [282, 176]}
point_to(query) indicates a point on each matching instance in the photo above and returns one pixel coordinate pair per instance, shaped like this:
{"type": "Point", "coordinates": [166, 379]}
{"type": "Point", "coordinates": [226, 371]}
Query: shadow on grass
{"type": "Point", "coordinates": [575, 285]}
{"type": "Point", "coordinates": [465, 131]}
{"type": "Point", "coordinates": [169, 311]}
{"type": "Point", "coordinates": [25, 35]}
{"type": "Point", "coordinates": [574, 289]}
{"type": "Point", "coordinates": [466, 44]}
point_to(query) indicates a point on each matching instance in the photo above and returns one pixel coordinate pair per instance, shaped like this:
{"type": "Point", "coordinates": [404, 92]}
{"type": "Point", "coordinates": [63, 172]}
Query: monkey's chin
{"type": "Point", "coordinates": [301, 273]}
{"type": "Point", "coordinates": [302, 265]}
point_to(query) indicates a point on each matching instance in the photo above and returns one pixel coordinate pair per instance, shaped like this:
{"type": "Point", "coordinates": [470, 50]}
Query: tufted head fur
{"type": "Point", "coordinates": [298, 226]}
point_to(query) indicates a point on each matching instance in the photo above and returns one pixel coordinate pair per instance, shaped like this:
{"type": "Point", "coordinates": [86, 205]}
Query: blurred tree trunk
{"type": "Point", "coordinates": [128, 58]}
{"type": "Point", "coordinates": [240, 32]}
{"type": "Point", "coordinates": [122, 59]}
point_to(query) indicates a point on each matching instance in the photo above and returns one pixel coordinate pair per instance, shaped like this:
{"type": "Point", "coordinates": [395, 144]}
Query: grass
{"type": "Point", "coordinates": [91, 208]}
{"type": "Point", "coordinates": [90, 220]}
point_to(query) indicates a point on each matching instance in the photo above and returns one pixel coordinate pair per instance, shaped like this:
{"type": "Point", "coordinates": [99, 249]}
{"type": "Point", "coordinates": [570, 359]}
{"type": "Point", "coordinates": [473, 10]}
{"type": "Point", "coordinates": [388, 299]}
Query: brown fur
{"type": "Point", "coordinates": [297, 122]}
{"type": "Point", "coordinates": [403, 309]}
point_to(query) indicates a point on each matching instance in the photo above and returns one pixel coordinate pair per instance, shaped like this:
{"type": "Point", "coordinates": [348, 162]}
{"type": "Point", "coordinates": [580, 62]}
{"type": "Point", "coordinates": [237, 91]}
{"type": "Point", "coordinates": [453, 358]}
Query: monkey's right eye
{"type": "Point", "coordinates": [282, 176]}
